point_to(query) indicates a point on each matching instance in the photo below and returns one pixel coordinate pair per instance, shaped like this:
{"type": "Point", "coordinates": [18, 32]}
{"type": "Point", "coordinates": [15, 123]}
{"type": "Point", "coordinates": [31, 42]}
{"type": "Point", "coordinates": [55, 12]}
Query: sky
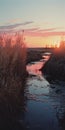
{"type": "Point", "coordinates": [43, 21]}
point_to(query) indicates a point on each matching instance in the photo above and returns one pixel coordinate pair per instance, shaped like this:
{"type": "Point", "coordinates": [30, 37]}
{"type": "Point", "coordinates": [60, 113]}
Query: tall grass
{"type": "Point", "coordinates": [12, 73]}
{"type": "Point", "coordinates": [12, 58]}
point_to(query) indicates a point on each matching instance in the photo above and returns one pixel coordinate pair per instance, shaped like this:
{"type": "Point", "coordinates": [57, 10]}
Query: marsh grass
{"type": "Point", "coordinates": [12, 75]}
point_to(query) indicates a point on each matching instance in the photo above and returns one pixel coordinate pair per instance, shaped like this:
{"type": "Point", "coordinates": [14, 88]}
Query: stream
{"type": "Point", "coordinates": [45, 108]}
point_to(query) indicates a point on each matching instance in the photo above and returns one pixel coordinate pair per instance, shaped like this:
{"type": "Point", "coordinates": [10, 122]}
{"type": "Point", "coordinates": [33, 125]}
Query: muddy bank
{"type": "Point", "coordinates": [54, 68]}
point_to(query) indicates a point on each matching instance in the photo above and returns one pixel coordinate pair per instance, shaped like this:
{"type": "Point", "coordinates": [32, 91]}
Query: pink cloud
{"type": "Point", "coordinates": [44, 34]}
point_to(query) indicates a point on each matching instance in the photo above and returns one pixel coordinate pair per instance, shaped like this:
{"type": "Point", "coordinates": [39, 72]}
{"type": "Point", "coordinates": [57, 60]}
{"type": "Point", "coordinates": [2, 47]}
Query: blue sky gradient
{"type": "Point", "coordinates": [39, 11]}
{"type": "Point", "coordinates": [37, 16]}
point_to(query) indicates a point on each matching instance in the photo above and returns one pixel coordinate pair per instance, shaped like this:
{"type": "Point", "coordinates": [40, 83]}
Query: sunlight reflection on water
{"type": "Point", "coordinates": [38, 86]}
{"type": "Point", "coordinates": [45, 101]}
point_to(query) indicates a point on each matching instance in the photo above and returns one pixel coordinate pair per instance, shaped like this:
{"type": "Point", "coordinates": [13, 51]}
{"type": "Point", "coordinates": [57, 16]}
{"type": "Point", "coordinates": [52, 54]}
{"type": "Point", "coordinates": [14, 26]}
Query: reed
{"type": "Point", "coordinates": [12, 75]}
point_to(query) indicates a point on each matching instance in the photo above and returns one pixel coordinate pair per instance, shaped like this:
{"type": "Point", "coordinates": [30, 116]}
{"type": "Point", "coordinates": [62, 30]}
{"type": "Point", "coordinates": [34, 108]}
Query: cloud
{"type": "Point", "coordinates": [38, 30]}
{"type": "Point", "coordinates": [29, 30]}
{"type": "Point", "coordinates": [45, 34]}
{"type": "Point", "coordinates": [50, 29]}
{"type": "Point", "coordinates": [20, 30]}
{"type": "Point", "coordinates": [17, 20]}
{"type": "Point", "coordinates": [13, 26]}
{"type": "Point", "coordinates": [32, 31]}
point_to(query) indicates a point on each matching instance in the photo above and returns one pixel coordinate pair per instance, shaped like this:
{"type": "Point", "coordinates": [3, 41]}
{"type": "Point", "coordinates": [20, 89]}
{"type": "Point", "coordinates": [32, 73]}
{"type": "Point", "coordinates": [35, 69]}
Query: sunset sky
{"type": "Point", "coordinates": [43, 21]}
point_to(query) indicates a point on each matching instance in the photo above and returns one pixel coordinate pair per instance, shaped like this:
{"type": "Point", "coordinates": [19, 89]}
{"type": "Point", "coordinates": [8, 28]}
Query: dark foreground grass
{"type": "Point", "coordinates": [12, 80]}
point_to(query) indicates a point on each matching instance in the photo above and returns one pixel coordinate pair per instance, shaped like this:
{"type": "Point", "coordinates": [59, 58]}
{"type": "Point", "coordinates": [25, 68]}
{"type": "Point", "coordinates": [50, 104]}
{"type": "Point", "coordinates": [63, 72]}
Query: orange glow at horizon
{"type": "Point", "coordinates": [52, 41]}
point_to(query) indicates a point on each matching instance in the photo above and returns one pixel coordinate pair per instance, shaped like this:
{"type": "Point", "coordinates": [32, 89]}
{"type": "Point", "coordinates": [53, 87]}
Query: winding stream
{"type": "Point", "coordinates": [45, 109]}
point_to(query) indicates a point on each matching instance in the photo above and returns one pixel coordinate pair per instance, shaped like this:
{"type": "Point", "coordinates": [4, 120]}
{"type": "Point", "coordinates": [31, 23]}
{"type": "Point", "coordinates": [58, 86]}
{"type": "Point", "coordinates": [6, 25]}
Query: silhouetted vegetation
{"type": "Point", "coordinates": [33, 55]}
{"type": "Point", "coordinates": [55, 67]}
{"type": "Point", "coordinates": [12, 79]}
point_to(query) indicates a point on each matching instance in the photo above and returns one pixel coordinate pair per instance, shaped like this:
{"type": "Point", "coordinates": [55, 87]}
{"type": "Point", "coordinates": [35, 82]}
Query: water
{"type": "Point", "coordinates": [45, 108]}
{"type": "Point", "coordinates": [41, 104]}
